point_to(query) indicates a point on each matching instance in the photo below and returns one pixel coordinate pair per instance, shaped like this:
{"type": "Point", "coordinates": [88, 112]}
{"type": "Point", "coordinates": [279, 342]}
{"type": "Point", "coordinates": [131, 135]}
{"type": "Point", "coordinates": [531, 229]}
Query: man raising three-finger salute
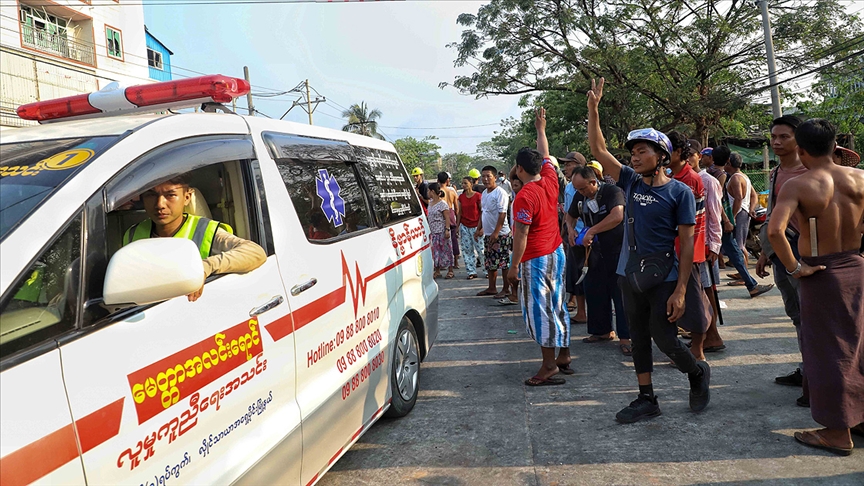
{"type": "Point", "coordinates": [653, 279]}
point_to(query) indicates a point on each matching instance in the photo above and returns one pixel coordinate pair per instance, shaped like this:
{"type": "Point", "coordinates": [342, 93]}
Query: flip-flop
{"type": "Point", "coordinates": [813, 439]}
{"type": "Point", "coordinates": [551, 381]}
{"type": "Point", "coordinates": [760, 289]}
{"type": "Point", "coordinates": [734, 276]}
{"type": "Point", "coordinates": [501, 295]}
{"type": "Point", "coordinates": [571, 307]}
{"type": "Point", "coordinates": [626, 349]}
{"type": "Point", "coordinates": [472, 276]}
{"type": "Point", "coordinates": [596, 339]}
{"type": "Point", "coordinates": [736, 283]}
{"type": "Point", "coordinates": [485, 292]}
{"type": "Point", "coordinates": [566, 369]}
{"type": "Point", "coordinates": [507, 301]}
{"type": "Point", "coordinates": [714, 349]}
{"type": "Point", "coordinates": [449, 276]}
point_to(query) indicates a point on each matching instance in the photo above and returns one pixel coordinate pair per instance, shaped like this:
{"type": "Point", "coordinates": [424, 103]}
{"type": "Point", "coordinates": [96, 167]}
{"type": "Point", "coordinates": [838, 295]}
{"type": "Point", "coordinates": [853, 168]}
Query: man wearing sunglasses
{"type": "Point", "coordinates": [658, 209]}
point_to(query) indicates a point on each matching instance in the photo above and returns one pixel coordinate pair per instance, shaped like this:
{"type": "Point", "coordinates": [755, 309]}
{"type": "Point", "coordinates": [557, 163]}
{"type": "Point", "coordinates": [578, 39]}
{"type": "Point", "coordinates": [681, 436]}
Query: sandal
{"type": "Point", "coordinates": [501, 295]}
{"type": "Point", "coordinates": [760, 289]}
{"type": "Point", "coordinates": [597, 339]}
{"type": "Point", "coordinates": [449, 276]}
{"type": "Point", "coordinates": [436, 275]}
{"type": "Point", "coordinates": [812, 438]}
{"type": "Point", "coordinates": [626, 349]}
{"type": "Point", "coordinates": [472, 276]}
{"type": "Point", "coordinates": [734, 276]}
{"type": "Point", "coordinates": [736, 283]}
{"type": "Point", "coordinates": [507, 301]}
{"type": "Point", "coordinates": [566, 369]}
{"type": "Point", "coordinates": [551, 381]}
{"type": "Point", "coordinates": [485, 292]}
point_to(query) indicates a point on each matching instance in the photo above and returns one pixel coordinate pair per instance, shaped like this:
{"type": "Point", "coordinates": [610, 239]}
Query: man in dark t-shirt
{"type": "Point", "coordinates": [601, 207]}
{"type": "Point", "coordinates": [658, 209]}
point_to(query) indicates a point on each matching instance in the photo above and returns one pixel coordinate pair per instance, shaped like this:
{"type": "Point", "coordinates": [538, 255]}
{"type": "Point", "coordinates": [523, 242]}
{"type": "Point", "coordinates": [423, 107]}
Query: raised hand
{"type": "Point", "coordinates": [540, 119]}
{"type": "Point", "coordinates": [595, 93]}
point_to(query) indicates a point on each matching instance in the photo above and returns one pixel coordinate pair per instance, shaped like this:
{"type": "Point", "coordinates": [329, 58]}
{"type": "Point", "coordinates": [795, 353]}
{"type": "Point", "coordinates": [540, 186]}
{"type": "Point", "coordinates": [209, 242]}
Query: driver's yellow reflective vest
{"type": "Point", "coordinates": [196, 228]}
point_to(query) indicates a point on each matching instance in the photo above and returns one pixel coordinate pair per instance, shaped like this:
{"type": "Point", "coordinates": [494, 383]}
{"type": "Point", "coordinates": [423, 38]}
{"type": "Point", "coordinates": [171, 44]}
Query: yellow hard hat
{"type": "Point", "coordinates": [416, 171]}
{"type": "Point", "coordinates": [474, 174]}
{"type": "Point", "coordinates": [596, 166]}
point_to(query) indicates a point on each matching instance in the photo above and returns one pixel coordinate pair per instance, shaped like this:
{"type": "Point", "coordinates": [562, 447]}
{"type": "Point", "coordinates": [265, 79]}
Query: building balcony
{"type": "Point", "coordinates": [58, 45]}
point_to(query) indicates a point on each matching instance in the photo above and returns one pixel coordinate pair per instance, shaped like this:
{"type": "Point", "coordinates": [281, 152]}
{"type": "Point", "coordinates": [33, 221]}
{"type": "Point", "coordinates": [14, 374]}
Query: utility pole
{"type": "Point", "coordinates": [308, 96]}
{"type": "Point", "coordinates": [305, 102]}
{"type": "Point", "coordinates": [772, 67]}
{"type": "Point", "coordinates": [249, 94]}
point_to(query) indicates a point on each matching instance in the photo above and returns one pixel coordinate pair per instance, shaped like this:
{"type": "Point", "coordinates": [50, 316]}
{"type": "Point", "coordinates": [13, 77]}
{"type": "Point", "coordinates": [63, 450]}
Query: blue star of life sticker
{"type": "Point", "coordinates": [331, 202]}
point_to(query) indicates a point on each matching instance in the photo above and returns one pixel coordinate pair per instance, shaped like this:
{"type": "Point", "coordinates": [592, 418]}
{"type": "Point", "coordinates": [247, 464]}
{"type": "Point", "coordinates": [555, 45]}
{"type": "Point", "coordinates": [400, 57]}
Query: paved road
{"type": "Point", "coordinates": [476, 423]}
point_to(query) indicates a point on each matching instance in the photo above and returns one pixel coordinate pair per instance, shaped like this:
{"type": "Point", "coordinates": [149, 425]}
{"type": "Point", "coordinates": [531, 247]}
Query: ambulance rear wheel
{"type": "Point", "coordinates": [405, 371]}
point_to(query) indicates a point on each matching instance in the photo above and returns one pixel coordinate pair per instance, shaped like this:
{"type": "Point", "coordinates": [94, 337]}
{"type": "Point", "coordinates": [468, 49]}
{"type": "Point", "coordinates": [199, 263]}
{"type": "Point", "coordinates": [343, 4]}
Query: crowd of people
{"type": "Point", "coordinates": [638, 247]}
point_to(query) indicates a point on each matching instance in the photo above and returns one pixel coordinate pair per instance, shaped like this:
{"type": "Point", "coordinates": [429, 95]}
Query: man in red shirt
{"type": "Point", "coordinates": [538, 256]}
{"type": "Point", "coordinates": [697, 313]}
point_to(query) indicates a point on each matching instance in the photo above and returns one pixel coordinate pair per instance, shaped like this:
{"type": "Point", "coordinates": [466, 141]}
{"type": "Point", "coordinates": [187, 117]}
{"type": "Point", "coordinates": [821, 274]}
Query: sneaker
{"type": "Point", "coordinates": [803, 401]}
{"type": "Point", "coordinates": [700, 393]}
{"type": "Point", "coordinates": [796, 378]}
{"type": "Point", "coordinates": [642, 407]}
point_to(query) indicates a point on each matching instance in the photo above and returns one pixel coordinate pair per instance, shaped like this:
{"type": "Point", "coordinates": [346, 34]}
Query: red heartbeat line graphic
{"type": "Point", "coordinates": [298, 318]}
{"type": "Point", "coordinates": [359, 291]}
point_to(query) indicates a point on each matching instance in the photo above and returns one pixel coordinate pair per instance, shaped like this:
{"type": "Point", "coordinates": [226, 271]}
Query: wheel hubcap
{"type": "Point", "coordinates": [407, 364]}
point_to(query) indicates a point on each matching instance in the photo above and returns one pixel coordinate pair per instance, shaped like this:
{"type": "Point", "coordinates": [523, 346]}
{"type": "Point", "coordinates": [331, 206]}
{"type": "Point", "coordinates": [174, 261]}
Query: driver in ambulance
{"type": "Point", "coordinates": [221, 251]}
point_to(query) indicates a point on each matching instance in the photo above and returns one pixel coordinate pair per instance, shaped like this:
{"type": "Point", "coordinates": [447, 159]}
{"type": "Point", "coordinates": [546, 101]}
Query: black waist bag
{"type": "Point", "coordinates": [644, 272]}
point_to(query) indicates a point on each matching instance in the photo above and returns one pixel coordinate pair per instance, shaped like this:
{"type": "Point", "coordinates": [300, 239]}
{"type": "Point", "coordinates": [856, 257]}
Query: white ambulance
{"type": "Point", "coordinates": [110, 375]}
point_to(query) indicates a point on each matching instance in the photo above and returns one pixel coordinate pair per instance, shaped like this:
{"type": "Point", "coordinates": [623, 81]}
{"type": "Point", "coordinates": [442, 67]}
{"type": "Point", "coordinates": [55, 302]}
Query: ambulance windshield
{"type": "Point", "coordinates": [31, 171]}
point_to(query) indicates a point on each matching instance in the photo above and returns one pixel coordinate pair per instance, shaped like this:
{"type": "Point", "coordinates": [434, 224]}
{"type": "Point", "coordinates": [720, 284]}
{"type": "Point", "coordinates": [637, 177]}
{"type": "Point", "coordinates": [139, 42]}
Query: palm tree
{"type": "Point", "coordinates": [362, 121]}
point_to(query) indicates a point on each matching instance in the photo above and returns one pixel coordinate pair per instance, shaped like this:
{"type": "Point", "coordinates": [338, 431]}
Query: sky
{"type": "Point", "coordinates": [392, 55]}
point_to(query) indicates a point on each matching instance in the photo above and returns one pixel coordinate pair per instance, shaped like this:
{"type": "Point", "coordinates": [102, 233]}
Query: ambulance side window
{"type": "Point", "coordinates": [45, 302]}
{"type": "Point", "coordinates": [327, 196]}
{"type": "Point", "coordinates": [391, 188]}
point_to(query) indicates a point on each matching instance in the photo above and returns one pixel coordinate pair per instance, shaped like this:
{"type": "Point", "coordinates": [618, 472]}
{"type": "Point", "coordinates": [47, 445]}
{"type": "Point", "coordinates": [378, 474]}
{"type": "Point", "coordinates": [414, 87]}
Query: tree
{"type": "Point", "coordinates": [667, 63]}
{"type": "Point", "coordinates": [417, 153]}
{"type": "Point", "coordinates": [362, 121]}
{"type": "Point", "coordinates": [839, 97]}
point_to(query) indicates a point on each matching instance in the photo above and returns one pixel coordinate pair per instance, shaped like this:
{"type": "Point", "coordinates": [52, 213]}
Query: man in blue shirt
{"type": "Point", "coordinates": [658, 210]}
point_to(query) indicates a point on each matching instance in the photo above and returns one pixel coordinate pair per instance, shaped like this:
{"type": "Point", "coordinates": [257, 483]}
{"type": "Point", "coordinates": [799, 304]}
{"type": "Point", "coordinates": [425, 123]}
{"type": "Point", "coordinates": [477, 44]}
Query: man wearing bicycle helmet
{"type": "Point", "coordinates": [658, 209]}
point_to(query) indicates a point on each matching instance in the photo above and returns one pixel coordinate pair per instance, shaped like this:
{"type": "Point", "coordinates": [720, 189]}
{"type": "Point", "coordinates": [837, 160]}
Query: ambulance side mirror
{"type": "Point", "coordinates": [152, 270]}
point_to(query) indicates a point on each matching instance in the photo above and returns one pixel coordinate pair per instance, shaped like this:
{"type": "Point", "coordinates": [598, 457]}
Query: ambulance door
{"type": "Point", "coordinates": [196, 392]}
{"type": "Point", "coordinates": [327, 246]}
{"type": "Point", "coordinates": [38, 441]}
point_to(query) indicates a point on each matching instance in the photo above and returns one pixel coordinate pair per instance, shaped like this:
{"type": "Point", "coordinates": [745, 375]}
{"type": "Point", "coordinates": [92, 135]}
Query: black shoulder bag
{"type": "Point", "coordinates": [644, 272]}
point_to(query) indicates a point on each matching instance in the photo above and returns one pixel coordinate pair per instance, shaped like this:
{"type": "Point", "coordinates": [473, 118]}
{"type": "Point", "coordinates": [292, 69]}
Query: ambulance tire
{"type": "Point", "coordinates": [405, 371]}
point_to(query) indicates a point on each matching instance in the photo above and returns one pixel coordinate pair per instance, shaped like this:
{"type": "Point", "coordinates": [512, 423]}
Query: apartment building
{"type": "Point", "coordinates": [50, 49]}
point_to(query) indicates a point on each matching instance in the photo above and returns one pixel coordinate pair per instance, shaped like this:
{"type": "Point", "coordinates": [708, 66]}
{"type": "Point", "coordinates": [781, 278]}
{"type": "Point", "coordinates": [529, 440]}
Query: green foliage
{"type": "Point", "coordinates": [418, 153]}
{"type": "Point", "coordinates": [362, 121]}
{"type": "Point", "coordinates": [839, 97]}
{"type": "Point", "coordinates": [680, 64]}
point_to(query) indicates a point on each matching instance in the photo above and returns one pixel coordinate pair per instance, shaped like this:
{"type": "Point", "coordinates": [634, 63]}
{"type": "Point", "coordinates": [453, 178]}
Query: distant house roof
{"type": "Point", "coordinates": [157, 40]}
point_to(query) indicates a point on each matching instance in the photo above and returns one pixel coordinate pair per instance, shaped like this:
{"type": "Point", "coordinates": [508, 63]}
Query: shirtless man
{"type": "Point", "coordinates": [829, 199]}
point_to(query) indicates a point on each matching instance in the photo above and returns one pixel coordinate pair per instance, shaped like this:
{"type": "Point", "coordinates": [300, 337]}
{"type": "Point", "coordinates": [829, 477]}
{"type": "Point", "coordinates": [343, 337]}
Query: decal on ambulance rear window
{"type": "Point", "coordinates": [31, 171]}
{"type": "Point", "coordinates": [392, 191]}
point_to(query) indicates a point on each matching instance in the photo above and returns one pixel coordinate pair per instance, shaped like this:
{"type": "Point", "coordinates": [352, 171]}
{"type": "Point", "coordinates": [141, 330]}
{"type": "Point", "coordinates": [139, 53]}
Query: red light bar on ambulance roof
{"type": "Point", "coordinates": [113, 99]}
